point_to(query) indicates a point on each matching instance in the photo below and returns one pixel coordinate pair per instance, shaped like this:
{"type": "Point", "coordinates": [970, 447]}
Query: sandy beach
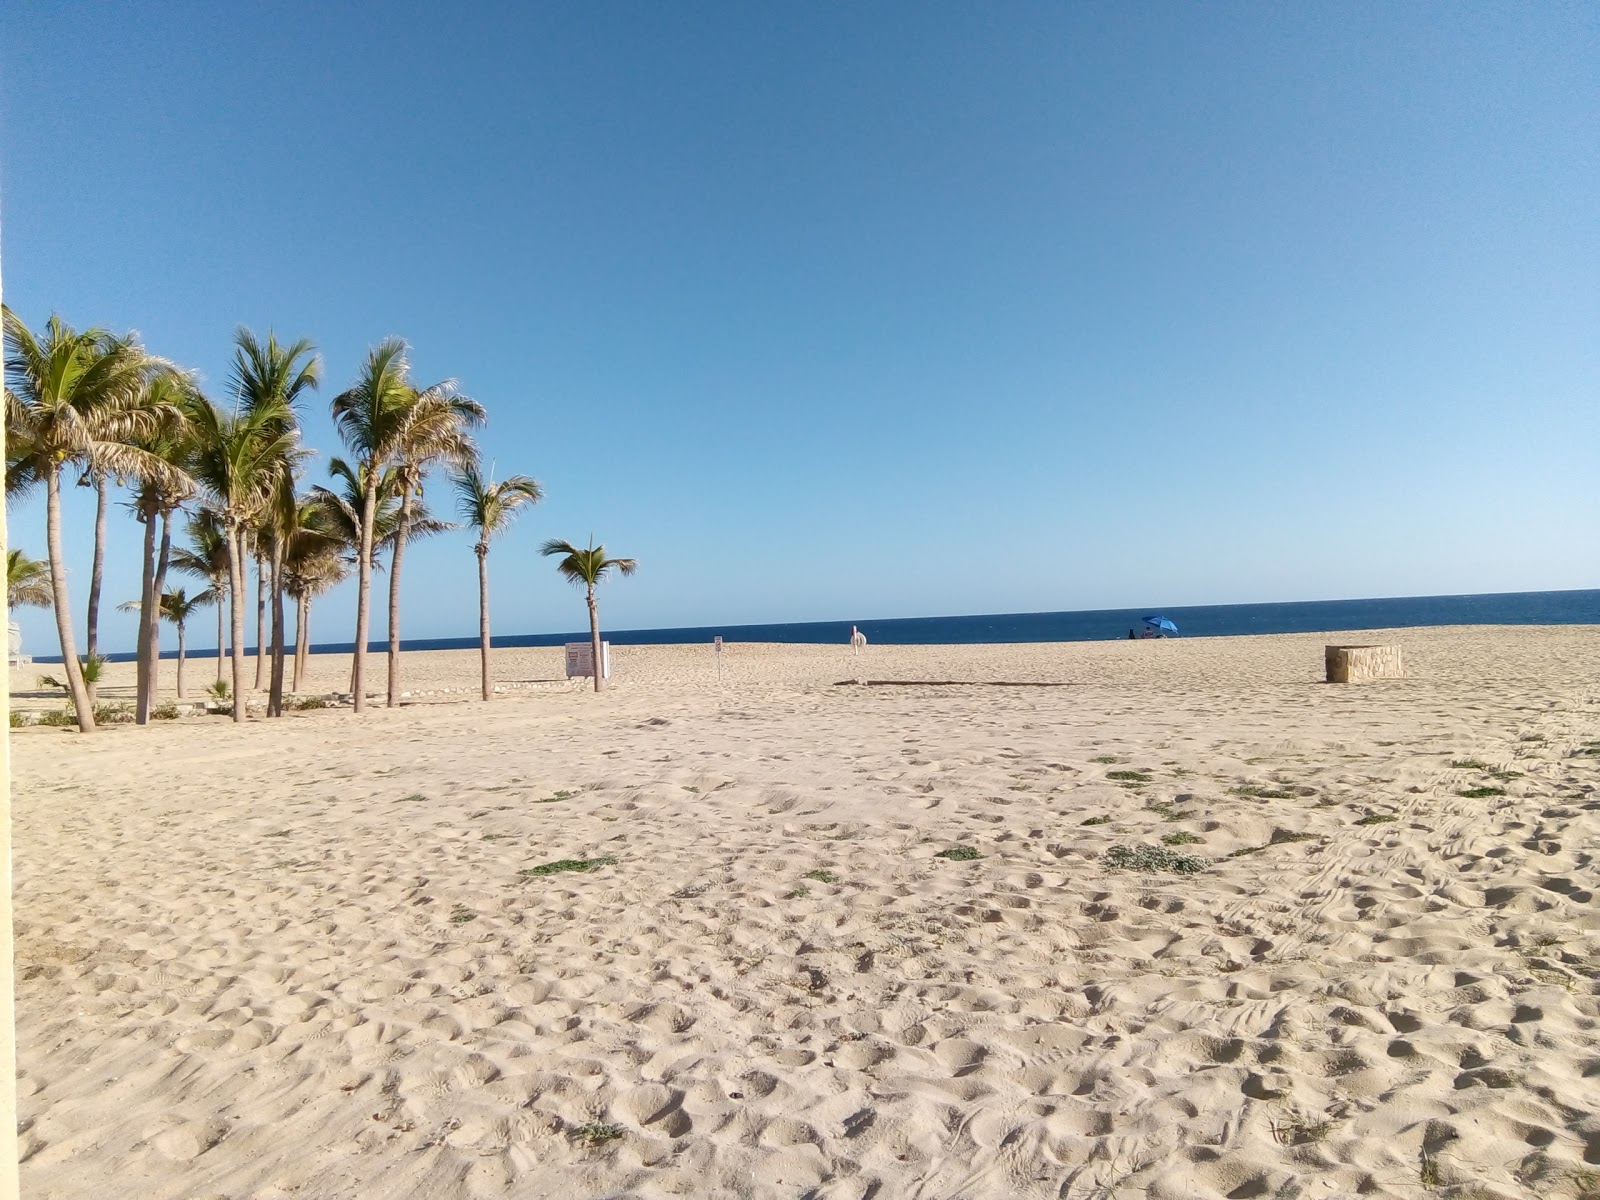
{"type": "Point", "coordinates": [1168, 919]}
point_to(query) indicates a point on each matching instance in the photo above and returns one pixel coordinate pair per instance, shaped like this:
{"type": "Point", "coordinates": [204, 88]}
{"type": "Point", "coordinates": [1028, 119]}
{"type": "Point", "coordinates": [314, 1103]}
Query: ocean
{"type": "Point", "coordinates": [1209, 620]}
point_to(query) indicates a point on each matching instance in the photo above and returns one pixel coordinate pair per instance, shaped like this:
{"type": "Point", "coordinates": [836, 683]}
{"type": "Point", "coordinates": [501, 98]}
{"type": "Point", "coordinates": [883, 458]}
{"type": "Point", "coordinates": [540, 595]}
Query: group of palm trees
{"type": "Point", "coordinates": [100, 407]}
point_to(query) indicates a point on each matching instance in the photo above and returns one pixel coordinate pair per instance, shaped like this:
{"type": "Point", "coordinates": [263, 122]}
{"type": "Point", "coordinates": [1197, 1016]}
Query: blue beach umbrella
{"type": "Point", "coordinates": [1162, 623]}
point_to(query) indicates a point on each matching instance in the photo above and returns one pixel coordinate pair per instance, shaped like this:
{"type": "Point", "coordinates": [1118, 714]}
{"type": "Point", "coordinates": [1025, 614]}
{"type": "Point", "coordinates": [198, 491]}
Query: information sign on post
{"type": "Point", "coordinates": [580, 660]}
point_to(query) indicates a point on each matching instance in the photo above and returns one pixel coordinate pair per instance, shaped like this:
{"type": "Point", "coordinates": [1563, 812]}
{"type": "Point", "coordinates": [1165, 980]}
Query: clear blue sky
{"type": "Point", "coordinates": [867, 310]}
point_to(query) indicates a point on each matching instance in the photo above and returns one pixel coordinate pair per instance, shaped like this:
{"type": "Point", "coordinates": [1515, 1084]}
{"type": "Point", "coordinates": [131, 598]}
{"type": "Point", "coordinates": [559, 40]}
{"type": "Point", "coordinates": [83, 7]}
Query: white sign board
{"type": "Point", "coordinates": [580, 660]}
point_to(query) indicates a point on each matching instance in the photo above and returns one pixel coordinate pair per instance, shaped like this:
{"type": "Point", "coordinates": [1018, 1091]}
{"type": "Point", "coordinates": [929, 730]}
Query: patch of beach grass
{"type": "Point", "coordinates": [568, 864]}
{"type": "Point", "coordinates": [959, 854]}
{"type": "Point", "coordinates": [1181, 838]}
{"type": "Point", "coordinates": [821, 875]}
{"type": "Point", "coordinates": [1152, 858]}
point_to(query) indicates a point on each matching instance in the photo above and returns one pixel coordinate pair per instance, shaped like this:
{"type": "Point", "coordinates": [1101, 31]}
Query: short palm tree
{"type": "Point", "coordinates": [178, 607]}
{"type": "Point", "coordinates": [79, 399]}
{"type": "Point", "coordinates": [588, 566]}
{"type": "Point", "coordinates": [156, 498]}
{"type": "Point", "coordinates": [386, 422]}
{"type": "Point", "coordinates": [489, 508]}
{"type": "Point", "coordinates": [206, 556]}
{"type": "Point", "coordinates": [27, 581]}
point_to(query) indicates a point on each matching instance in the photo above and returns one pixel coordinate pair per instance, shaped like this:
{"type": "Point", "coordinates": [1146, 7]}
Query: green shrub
{"type": "Point", "coordinates": [18, 720]}
{"type": "Point", "coordinates": [1153, 858]}
{"type": "Point", "coordinates": [58, 718]}
{"type": "Point", "coordinates": [164, 712]}
{"type": "Point", "coordinates": [959, 854]}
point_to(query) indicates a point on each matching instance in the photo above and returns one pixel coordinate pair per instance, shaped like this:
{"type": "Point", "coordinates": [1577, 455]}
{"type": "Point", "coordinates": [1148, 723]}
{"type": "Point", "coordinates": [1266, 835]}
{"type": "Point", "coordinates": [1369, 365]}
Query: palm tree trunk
{"type": "Point", "coordinates": [594, 641]}
{"type": "Point", "coordinates": [358, 685]}
{"type": "Point", "coordinates": [221, 643]}
{"type": "Point", "coordinates": [483, 614]}
{"type": "Point", "coordinates": [180, 660]}
{"type": "Point", "coordinates": [395, 557]}
{"type": "Point", "coordinates": [275, 695]}
{"type": "Point", "coordinates": [97, 572]}
{"type": "Point", "coordinates": [261, 618]}
{"type": "Point", "coordinates": [236, 595]}
{"type": "Point", "coordinates": [58, 589]}
{"type": "Point", "coordinates": [147, 617]}
{"type": "Point", "coordinates": [302, 635]}
{"type": "Point", "coordinates": [162, 559]}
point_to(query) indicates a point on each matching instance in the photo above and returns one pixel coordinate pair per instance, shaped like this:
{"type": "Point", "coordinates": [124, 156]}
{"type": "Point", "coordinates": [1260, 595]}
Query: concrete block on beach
{"type": "Point", "coordinates": [1358, 664]}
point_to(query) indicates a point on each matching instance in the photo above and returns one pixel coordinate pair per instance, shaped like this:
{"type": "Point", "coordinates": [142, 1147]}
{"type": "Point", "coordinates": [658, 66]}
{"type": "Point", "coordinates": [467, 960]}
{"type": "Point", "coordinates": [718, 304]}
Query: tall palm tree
{"type": "Point", "coordinates": [588, 566]}
{"type": "Point", "coordinates": [27, 581]}
{"type": "Point", "coordinates": [274, 375]}
{"type": "Point", "coordinates": [206, 556]}
{"type": "Point", "coordinates": [178, 607]}
{"type": "Point", "coordinates": [489, 508]}
{"type": "Point", "coordinates": [74, 398]}
{"type": "Point", "coordinates": [240, 458]}
{"type": "Point", "coordinates": [387, 422]}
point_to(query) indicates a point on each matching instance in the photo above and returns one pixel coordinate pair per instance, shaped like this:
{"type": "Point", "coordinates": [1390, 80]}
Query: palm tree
{"type": "Point", "coordinates": [387, 422]}
{"type": "Point", "coordinates": [240, 458]}
{"type": "Point", "coordinates": [313, 563]}
{"type": "Point", "coordinates": [177, 607]}
{"type": "Point", "coordinates": [206, 556]}
{"type": "Point", "coordinates": [489, 508]}
{"type": "Point", "coordinates": [74, 398]}
{"type": "Point", "coordinates": [156, 498]}
{"type": "Point", "coordinates": [588, 566]}
{"type": "Point", "coordinates": [273, 375]}
{"type": "Point", "coordinates": [27, 581]}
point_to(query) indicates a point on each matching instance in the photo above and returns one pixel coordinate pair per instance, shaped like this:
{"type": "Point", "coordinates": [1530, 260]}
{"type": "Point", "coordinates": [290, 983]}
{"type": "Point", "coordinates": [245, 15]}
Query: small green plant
{"type": "Point", "coordinates": [821, 876]}
{"type": "Point", "coordinates": [1504, 774]}
{"type": "Point", "coordinates": [58, 718]}
{"type": "Point", "coordinates": [1377, 819]}
{"type": "Point", "coordinates": [413, 798]}
{"type": "Point", "coordinates": [1152, 858]}
{"type": "Point", "coordinates": [562, 795]}
{"type": "Point", "coordinates": [1469, 764]}
{"type": "Point", "coordinates": [1181, 838]}
{"type": "Point", "coordinates": [799, 893]}
{"type": "Point", "coordinates": [1129, 776]}
{"type": "Point", "coordinates": [307, 703]}
{"type": "Point", "coordinates": [1246, 851]}
{"type": "Point", "coordinates": [596, 1133]}
{"type": "Point", "coordinates": [1105, 758]}
{"type": "Point", "coordinates": [461, 914]}
{"type": "Point", "coordinates": [113, 714]}
{"type": "Point", "coordinates": [1298, 1130]}
{"type": "Point", "coordinates": [1098, 821]}
{"type": "Point", "coordinates": [496, 837]}
{"type": "Point", "coordinates": [1479, 793]}
{"type": "Point", "coordinates": [1428, 1173]}
{"type": "Point", "coordinates": [18, 720]}
{"type": "Point", "coordinates": [218, 690]}
{"type": "Point", "coordinates": [959, 854]}
{"type": "Point", "coordinates": [164, 712]}
{"type": "Point", "coordinates": [1251, 792]}
{"type": "Point", "coordinates": [1167, 813]}
{"type": "Point", "coordinates": [568, 864]}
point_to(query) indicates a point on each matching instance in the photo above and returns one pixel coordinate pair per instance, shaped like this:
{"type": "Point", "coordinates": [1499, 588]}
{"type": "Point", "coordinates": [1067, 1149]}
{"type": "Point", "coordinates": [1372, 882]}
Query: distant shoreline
{"type": "Point", "coordinates": [1571, 607]}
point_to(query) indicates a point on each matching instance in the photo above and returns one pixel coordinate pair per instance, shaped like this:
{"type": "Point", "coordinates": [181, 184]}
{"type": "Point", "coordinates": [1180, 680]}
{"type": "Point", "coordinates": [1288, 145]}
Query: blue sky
{"type": "Point", "coordinates": [838, 311]}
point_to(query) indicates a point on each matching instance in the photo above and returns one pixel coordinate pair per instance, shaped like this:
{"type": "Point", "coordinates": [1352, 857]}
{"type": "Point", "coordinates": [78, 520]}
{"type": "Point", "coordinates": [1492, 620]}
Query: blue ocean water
{"type": "Point", "coordinates": [1211, 620]}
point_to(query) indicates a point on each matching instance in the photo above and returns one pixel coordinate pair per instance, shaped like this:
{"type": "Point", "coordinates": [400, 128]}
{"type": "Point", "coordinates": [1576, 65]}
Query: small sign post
{"type": "Point", "coordinates": [580, 660]}
{"type": "Point", "coordinates": [718, 645]}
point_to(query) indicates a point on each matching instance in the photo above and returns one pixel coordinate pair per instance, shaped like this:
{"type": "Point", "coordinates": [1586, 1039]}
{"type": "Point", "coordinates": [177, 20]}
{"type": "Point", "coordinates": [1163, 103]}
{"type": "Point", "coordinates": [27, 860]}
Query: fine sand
{"type": "Point", "coordinates": [303, 958]}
